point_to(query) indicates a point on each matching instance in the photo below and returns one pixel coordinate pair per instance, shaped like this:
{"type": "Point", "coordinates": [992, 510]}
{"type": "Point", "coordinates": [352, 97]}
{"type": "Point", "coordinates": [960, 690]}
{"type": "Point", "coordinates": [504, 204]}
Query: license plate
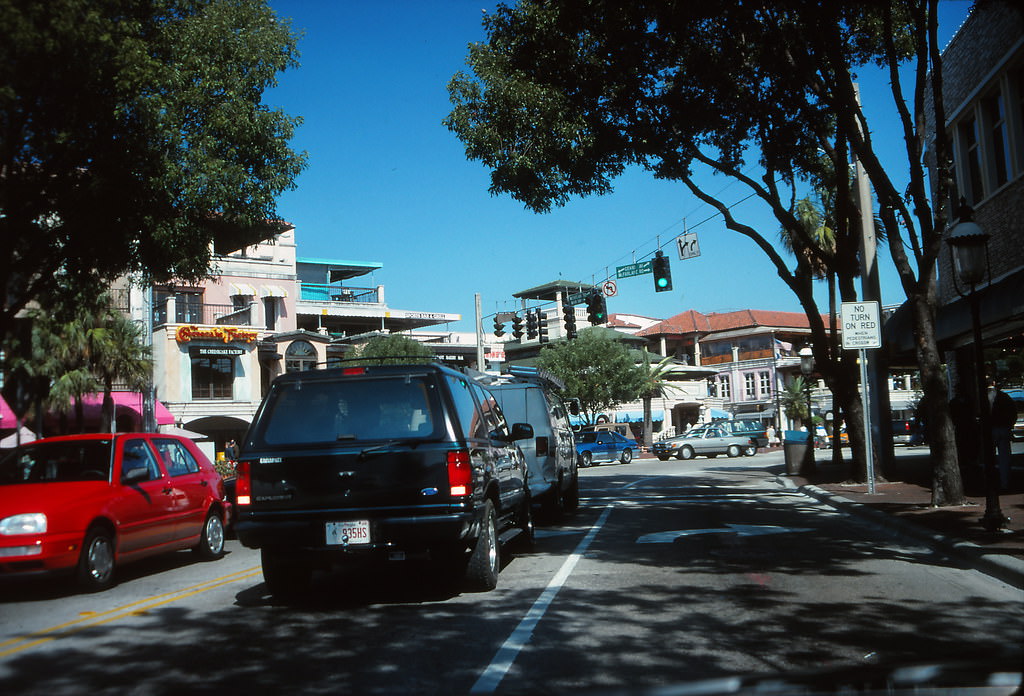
{"type": "Point", "coordinates": [350, 533]}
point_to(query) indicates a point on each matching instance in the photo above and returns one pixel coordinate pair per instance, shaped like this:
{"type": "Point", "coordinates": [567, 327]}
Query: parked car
{"type": "Point", "coordinates": [381, 462]}
{"type": "Point", "coordinates": [597, 446]}
{"type": "Point", "coordinates": [528, 396]}
{"type": "Point", "coordinates": [89, 503]}
{"type": "Point", "coordinates": [903, 432]}
{"type": "Point", "coordinates": [710, 440]}
{"type": "Point", "coordinates": [755, 430]}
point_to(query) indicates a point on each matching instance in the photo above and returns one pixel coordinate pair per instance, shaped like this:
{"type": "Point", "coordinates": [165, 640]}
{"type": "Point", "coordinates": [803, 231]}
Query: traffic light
{"type": "Point", "coordinates": [662, 272]}
{"type": "Point", "coordinates": [499, 327]}
{"type": "Point", "coordinates": [569, 320]}
{"type": "Point", "coordinates": [597, 310]}
{"type": "Point", "coordinates": [542, 327]}
{"type": "Point", "coordinates": [531, 326]}
{"type": "Point", "coordinates": [517, 327]}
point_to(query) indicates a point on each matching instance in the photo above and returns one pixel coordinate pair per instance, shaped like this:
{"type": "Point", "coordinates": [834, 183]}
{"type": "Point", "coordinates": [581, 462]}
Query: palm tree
{"type": "Point", "coordinates": [117, 354]}
{"type": "Point", "coordinates": [793, 398]}
{"type": "Point", "coordinates": [654, 383]}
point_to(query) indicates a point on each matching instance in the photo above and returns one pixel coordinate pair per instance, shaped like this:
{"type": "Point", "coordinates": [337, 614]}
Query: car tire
{"type": "Point", "coordinates": [627, 456]}
{"type": "Point", "coordinates": [586, 459]}
{"type": "Point", "coordinates": [733, 451]}
{"type": "Point", "coordinates": [749, 451]}
{"type": "Point", "coordinates": [96, 561]}
{"type": "Point", "coordinates": [285, 574]}
{"type": "Point", "coordinates": [524, 523]}
{"type": "Point", "coordinates": [485, 558]}
{"type": "Point", "coordinates": [686, 452]}
{"type": "Point", "coordinates": [211, 540]}
{"type": "Point", "coordinates": [571, 497]}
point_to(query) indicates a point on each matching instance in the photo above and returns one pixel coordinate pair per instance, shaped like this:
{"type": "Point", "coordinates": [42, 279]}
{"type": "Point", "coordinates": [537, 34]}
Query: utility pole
{"type": "Point", "coordinates": [877, 368]}
{"type": "Point", "coordinates": [479, 334]}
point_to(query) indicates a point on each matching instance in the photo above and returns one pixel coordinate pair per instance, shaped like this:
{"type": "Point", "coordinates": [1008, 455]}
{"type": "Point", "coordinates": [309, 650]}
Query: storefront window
{"type": "Point", "coordinates": [212, 378]}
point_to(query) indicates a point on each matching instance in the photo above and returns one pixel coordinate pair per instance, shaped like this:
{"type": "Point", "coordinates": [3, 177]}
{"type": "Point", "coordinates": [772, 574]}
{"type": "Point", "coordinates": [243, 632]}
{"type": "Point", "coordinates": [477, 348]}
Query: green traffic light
{"type": "Point", "coordinates": [662, 282]}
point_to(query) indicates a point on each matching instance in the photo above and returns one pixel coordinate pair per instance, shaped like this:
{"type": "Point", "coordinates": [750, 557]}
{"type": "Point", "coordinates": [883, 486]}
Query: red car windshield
{"type": "Point", "coordinates": [55, 462]}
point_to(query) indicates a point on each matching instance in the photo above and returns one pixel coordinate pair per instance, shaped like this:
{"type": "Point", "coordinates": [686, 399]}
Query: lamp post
{"type": "Point", "coordinates": [968, 245]}
{"type": "Point", "coordinates": [807, 367]}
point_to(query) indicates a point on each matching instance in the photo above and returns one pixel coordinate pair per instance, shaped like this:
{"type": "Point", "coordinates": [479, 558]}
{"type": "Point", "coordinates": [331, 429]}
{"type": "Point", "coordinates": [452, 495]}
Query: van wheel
{"type": "Point", "coordinates": [733, 451]}
{"type": "Point", "coordinates": [285, 574]}
{"type": "Point", "coordinates": [571, 497]}
{"type": "Point", "coordinates": [627, 456]}
{"type": "Point", "coordinates": [485, 559]}
{"type": "Point", "coordinates": [211, 541]}
{"type": "Point", "coordinates": [96, 562]}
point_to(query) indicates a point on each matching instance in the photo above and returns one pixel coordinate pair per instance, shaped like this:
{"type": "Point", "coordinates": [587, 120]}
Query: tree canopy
{"type": "Point", "coordinates": [597, 370]}
{"type": "Point", "coordinates": [563, 97]}
{"type": "Point", "coordinates": [391, 350]}
{"type": "Point", "coordinates": [133, 135]}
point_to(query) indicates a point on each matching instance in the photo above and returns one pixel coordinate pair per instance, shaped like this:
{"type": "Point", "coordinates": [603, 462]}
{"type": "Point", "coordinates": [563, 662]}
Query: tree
{"type": "Point", "coordinates": [794, 398]}
{"type": "Point", "coordinates": [393, 349]}
{"type": "Point", "coordinates": [654, 382]}
{"type": "Point", "coordinates": [118, 354]}
{"type": "Point", "coordinates": [133, 136]}
{"type": "Point", "coordinates": [566, 96]}
{"type": "Point", "coordinates": [597, 370]}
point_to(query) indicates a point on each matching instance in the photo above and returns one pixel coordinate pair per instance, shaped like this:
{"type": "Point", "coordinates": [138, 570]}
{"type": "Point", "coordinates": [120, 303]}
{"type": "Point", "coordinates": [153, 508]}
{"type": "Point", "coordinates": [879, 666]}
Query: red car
{"type": "Point", "coordinates": [86, 503]}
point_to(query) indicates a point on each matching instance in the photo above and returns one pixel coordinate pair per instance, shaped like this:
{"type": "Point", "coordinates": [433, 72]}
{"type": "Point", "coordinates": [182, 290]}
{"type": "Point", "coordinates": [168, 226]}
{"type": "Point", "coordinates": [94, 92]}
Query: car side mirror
{"type": "Point", "coordinates": [521, 431]}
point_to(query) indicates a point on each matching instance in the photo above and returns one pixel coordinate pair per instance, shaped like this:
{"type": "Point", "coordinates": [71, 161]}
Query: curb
{"type": "Point", "coordinates": [1005, 568]}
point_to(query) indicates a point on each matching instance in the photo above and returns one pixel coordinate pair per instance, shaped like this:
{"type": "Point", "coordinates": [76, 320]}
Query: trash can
{"type": "Point", "coordinates": [795, 446]}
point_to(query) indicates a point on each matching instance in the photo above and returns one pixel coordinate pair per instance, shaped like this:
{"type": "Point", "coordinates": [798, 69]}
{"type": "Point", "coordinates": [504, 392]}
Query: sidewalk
{"type": "Point", "coordinates": [903, 502]}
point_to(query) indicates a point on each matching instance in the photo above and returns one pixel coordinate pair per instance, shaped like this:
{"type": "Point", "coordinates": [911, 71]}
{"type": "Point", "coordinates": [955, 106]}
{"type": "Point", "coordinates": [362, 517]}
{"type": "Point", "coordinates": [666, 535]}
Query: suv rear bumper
{"type": "Point", "coordinates": [386, 533]}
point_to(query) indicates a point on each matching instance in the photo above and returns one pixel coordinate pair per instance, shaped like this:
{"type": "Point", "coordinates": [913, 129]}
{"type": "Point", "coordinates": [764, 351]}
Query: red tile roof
{"type": "Point", "coordinates": [692, 321]}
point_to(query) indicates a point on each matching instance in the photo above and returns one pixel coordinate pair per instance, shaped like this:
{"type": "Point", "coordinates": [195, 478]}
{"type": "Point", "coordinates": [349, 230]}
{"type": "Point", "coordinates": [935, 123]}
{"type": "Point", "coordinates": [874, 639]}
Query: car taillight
{"type": "Point", "coordinates": [460, 473]}
{"type": "Point", "coordinates": [354, 371]}
{"type": "Point", "coordinates": [906, 426]}
{"type": "Point", "coordinates": [243, 484]}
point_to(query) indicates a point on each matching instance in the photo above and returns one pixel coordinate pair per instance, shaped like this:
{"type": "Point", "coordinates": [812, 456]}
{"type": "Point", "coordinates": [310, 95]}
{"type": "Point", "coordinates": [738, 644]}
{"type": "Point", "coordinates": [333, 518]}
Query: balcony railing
{"type": "Point", "coordinates": [207, 314]}
{"type": "Point", "coordinates": [315, 292]}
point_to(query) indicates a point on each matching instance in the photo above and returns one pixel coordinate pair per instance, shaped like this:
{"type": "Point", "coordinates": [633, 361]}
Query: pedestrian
{"type": "Point", "coordinates": [231, 451]}
{"type": "Point", "coordinates": [770, 434]}
{"type": "Point", "coordinates": [1003, 413]}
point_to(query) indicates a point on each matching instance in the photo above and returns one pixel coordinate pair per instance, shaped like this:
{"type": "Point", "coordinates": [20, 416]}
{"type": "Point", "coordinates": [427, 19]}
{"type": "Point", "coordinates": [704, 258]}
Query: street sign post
{"type": "Point", "coordinates": [862, 330]}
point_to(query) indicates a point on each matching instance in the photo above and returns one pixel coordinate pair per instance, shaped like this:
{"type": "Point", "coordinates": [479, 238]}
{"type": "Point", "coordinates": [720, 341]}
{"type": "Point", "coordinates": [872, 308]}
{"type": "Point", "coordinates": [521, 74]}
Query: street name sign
{"type": "Point", "coordinates": [633, 269]}
{"type": "Point", "coordinates": [862, 327]}
{"type": "Point", "coordinates": [576, 298]}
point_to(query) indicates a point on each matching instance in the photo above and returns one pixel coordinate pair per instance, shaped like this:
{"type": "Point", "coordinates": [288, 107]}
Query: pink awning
{"type": "Point", "coordinates": [125, 400]}
{"type": "Point", "coordinates": [8, 421]}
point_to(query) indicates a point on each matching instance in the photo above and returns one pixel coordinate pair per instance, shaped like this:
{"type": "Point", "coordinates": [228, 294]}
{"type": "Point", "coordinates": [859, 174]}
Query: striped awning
{"type": "Point", "coordinates": [273, 291]}
{"type": "Point", "coordinates": [243, 290]}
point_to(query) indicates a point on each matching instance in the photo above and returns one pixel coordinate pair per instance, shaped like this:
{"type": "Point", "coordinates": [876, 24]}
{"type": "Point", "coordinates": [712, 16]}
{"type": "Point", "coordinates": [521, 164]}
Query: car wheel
{"type": "Point", "coordinates": [586, 459]}
{"type": "Point", "coordinates": [733, 451]}
{"type": "Point", "coordinates": [750, 451]}
{"type": "Point", "coordinates": [285, 574]}
{"type": "Point", "coordinates": [627, 456]}
{"type": "Point", "coordinates": [485, 559]}
{"type": "Point", "coordinates": [96, 563]}
{"type": "Point", "coordinates": [524, 523]}
{"type": "Point", "coordinates": [571, 497]}
{"type": "Point", "coordinates": [685, 452]}
{"type": "Point", "coordinates": [211, 541]}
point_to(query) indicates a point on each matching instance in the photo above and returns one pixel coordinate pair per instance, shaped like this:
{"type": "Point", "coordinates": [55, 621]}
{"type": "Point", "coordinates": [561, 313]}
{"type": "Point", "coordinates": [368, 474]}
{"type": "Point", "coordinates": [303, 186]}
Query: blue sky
{"type": "Point", "coordinates": [388, 183]}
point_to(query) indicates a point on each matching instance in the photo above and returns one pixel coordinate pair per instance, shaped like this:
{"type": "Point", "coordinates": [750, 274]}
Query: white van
{"type": "Point", "coordinates": [530, 396]}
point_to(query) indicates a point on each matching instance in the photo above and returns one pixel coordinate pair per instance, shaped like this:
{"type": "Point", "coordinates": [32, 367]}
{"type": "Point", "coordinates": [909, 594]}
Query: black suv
{"type": "Point", "coordinates": [392, 461]}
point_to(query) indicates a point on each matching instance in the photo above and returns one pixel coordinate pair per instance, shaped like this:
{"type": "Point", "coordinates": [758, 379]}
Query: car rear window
{"type": "Point", "coordinates": [347, 409]}
{"type": "Point", "coordinates": [55, 462]}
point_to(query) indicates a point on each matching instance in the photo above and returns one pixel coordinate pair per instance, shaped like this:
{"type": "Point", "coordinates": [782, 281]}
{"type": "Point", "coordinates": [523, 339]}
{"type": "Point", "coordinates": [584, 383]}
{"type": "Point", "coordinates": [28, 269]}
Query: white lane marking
{"type": "Point", "coordinates": [741, 529]}
{"type": "Point", "coordinates": [520, 636]}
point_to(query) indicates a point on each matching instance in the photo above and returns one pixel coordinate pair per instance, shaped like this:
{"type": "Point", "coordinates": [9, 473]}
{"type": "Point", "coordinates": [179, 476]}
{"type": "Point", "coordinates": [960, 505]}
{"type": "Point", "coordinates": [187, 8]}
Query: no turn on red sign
{"type": "Point", "coordinates": [861, 325]}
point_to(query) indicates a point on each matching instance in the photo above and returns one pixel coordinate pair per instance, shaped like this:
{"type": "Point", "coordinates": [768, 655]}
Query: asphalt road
{"type": "Point", "coordinates": [669, 572]}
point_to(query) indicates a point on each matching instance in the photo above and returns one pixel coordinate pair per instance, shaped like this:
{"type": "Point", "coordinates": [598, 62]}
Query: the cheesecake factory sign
{"type": "Point", "coordinates": [226, 334]}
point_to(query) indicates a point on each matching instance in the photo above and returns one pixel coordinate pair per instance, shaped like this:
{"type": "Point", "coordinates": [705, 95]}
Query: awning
{"type": "Point", "coordinates": [638, 416]}
{"type": "Point", "coordinates": [123, 401]}
{"type": "Point", "coordinates": [273, 291]}
{"type": "Point", "coordinates": [243, 290]}
{"type": "Point", "coordinates": [7, 418]}
{"type": "Point", "coordinates": [190, 434]}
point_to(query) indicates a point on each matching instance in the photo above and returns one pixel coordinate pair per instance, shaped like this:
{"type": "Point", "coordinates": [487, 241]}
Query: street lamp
{"type": "Point", "coordinates": [968, 245]}
{"type": "Point", "coordinates": [807, 368]}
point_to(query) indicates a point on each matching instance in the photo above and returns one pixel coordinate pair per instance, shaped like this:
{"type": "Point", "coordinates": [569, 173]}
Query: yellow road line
{"type": "Point", "coordinates": [22, 643]}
